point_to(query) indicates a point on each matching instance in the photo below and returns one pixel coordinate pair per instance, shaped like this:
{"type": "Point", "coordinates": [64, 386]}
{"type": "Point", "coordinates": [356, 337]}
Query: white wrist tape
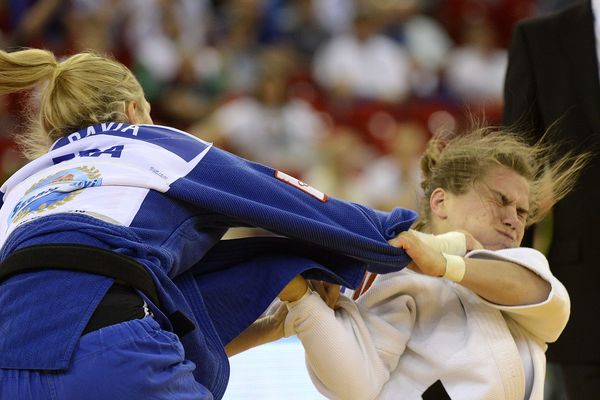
{"type": "Point", "coordinates": [450, 242]}
{"type": "Point", "coordinates": [455, 268]}
{"type": "Point", "coordinates": [291, 304]}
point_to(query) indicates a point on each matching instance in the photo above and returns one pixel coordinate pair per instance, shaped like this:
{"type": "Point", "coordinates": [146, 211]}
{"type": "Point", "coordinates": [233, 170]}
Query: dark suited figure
{"type": "Point", "coordinates": [552, 78]}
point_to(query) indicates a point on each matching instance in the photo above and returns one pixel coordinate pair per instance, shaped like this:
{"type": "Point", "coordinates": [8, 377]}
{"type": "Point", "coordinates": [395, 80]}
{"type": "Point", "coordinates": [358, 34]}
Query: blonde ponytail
{"type": "Point", "coordinates": [24, 69]}
{"type": "Point", "coordinates": [82, 90]}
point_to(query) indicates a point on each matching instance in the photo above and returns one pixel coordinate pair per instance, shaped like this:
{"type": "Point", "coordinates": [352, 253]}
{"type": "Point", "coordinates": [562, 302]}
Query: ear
{"type": "Point", "coordinates": [438, 203]}
{"type": "Point", "coordinates": [132, 112]}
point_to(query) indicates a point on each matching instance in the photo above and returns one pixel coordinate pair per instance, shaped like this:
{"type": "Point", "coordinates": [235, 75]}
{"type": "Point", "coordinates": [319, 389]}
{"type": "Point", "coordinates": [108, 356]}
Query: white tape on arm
{"type": "Point", "coordinates": [291, 304]}
{"type": "Point", "coordinates": [454, 243]}
{"type": "Point", "coordinates": [455, 268]}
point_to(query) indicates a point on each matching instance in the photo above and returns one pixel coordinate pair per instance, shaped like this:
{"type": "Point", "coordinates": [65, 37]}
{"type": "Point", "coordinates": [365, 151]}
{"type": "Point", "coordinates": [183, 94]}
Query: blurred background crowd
{"type": "Point", "coordinates": [342, 94]}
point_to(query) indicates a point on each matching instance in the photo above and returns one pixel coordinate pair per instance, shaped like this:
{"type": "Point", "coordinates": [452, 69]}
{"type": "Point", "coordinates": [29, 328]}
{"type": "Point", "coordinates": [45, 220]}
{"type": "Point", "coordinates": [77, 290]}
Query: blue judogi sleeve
{"type": "Point", "coordinates": [252, 194]}
{"type": "Point", "coordinates": [325, 238]}
{"type": "Point", "coordinates": [239, 278]}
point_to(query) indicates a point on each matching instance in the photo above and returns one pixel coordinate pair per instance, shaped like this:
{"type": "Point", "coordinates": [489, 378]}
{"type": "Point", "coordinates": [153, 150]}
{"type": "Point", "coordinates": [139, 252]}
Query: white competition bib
{"type": "Point", "coordinates": [106, 176]}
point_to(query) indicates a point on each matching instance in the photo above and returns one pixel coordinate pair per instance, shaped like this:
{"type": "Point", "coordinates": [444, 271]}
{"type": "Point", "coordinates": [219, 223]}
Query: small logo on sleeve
{"type": "Point", "coordinates": [290, 180]}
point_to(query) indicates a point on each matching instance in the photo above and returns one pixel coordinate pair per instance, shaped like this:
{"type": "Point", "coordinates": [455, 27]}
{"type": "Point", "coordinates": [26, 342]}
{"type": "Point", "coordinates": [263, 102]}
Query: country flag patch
{"type": "Point", "coordinates": [290, 180]}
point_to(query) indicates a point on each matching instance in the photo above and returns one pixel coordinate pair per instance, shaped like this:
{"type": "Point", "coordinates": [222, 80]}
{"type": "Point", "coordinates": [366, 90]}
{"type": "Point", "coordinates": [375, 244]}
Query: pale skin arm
{"type": "Point", "coordinates": [264, 330]}
{"type": "Point", "coordinates": [270, 328]}
{"type": "Point", "coordinates": [499, 282]}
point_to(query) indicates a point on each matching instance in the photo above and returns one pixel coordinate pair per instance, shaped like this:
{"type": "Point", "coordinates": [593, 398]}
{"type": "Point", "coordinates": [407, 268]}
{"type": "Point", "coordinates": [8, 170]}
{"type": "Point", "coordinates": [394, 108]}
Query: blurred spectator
{"type": "Point", "coordinates": [475, 70]}
{"type": "Point", "coordinates": [37, 23]}
{"type": "Point", "coordinates": [342, 158]}
{"type": "Point", "coordinates": [188, 97]}
{"type": "Point", "coordinates": [171, 58]}
{"type": "Point", "coordinates": [335, 15]}
{"type": "Point", "coordinates": [270, 126]}
{"type": "Point", "coordinates": [393, 180]}
{"type": "Point", "coordinates": [364, 63]}
{"type": "Point", "coordinates": [8, 121]}
{"type": "Point", "coordinates": [210, 65]}
{"type": "Point", "coordinates": [424, 38]}
{"type": "Point", "coordinates": [235, 36]}
{"type": "Point", "coordinates": [429, 45]}
{"type": "Point", "coordinates": [161, 33]}
{"type": "Point", "coordinates": [295, 23]}
{"type": "Point", "coordinates": [97, 25]}
{"type": "Point", "coordinates": [502, 14]}
{"type": "Point", "coordinates": [10, 158]}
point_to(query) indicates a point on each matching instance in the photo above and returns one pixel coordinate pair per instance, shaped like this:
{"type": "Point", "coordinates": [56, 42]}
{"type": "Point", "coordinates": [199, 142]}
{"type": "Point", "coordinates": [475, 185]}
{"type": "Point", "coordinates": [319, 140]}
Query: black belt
{"type": "Point", "coordinates": [91, 260]}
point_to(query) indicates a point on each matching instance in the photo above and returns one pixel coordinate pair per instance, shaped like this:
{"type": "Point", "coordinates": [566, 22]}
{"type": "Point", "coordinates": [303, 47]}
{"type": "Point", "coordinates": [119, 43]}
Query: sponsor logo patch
{"type": "Point", "coordinates": [55, 190]}
{"type": "Point", "coordinates": [290, 180]}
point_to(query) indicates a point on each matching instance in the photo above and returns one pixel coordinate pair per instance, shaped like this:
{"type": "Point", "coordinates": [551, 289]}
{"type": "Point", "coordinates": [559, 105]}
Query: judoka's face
{"type": "Point", "coordinates": [494, 210]}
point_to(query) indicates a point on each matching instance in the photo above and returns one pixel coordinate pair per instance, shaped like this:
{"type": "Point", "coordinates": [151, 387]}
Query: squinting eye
{"type": "Point", "coordinates": [501, 200]}
{"type": "Point", "coordinates": [522, 215]}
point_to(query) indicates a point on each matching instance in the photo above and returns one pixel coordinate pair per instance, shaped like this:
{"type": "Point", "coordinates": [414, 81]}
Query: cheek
{"type": "Point", "coordinates": [475, 216]}
{"type": "Point", "coordinates": [483, 215]}
{"type": "Point", "coordinates": [480, 222]}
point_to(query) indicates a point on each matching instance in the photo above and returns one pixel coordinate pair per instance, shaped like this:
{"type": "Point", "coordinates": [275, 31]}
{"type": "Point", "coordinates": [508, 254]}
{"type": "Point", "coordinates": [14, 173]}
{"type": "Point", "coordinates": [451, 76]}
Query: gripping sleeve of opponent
{"type": "Point", "coordinates": [255, 195]}
{"type": "Point", "coordinates": [453, 243]}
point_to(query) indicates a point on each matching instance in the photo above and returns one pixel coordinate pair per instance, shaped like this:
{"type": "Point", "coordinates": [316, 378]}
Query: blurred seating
{"type": "Point", "coordinates": [281, 69]}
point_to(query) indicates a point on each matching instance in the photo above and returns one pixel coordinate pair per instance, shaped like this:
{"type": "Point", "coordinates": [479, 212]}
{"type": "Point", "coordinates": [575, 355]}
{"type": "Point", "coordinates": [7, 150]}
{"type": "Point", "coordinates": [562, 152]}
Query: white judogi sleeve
{"type": "Point", "coordinates": [545, 320]}
{"type": "Point", "coordinates": [345, 361]}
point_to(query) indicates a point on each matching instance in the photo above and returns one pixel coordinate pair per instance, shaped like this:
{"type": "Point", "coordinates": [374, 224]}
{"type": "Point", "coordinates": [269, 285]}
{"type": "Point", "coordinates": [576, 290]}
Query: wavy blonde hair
{"type": "Point", "coordinates": [457, 162]}
{"type": "Point", "coordinates": [82, 90]}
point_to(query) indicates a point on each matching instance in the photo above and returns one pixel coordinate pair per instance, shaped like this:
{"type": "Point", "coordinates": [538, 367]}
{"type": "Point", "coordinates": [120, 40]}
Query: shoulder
{"type": "Point", "coordinates": [178, 142]}
{"type": "Point", "coordinates": [149, 132]}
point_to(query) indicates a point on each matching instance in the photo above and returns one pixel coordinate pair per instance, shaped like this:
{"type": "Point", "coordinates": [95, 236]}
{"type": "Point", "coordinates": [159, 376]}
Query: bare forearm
{"type": "Point", "coordinates": [260, 332]}
{"type": "Point", "coordinates": [270, 327]}
{"type": "Point", "coordinates": [500, 282]}
{"type": "Point", "coordinates": [505, 283]}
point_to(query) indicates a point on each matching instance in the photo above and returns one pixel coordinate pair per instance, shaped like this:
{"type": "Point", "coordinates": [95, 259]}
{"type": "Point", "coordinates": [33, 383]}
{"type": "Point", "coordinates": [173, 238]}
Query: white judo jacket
{"type": "Point", "coordinates": [410, 330]}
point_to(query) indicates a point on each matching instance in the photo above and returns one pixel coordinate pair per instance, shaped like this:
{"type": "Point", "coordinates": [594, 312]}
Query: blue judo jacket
{"type": "Point", "coordinates": [165, 199]}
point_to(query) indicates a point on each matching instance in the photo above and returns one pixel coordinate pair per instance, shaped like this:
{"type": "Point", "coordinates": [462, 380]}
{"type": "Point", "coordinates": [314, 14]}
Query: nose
{"type": "Point", "coordinates": [510, 225]}
{"type": "Point", "coordinates": [510, 218]}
